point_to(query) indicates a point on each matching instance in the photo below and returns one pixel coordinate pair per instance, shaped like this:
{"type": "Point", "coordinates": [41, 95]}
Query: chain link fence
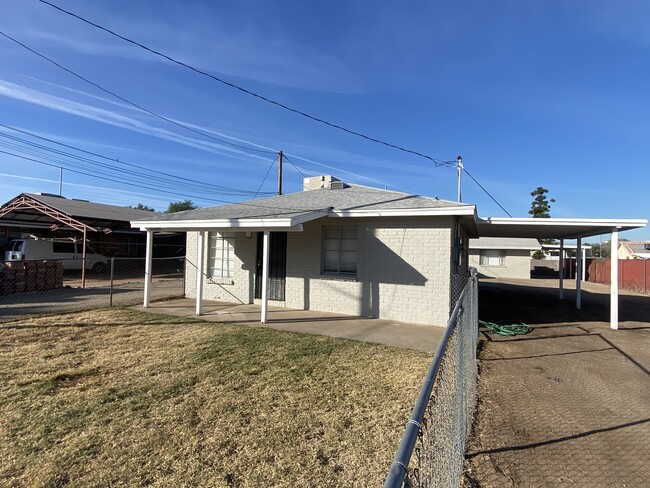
{"type": "Point", "coordinates": [457, 284]}
{"type": "Point", "coordinates": [30, 288]}
{"type": "Point", "coordinates": [432, 450]}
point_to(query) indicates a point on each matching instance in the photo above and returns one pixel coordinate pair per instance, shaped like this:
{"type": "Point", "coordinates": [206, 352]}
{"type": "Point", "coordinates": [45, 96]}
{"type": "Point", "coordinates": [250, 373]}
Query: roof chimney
{"type": "Point", "coordinates": [324, 181]}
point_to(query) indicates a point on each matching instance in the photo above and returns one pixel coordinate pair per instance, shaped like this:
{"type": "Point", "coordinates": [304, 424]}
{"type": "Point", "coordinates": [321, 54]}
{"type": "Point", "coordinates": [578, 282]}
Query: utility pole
{"type": "Point", "coordinates": [280, 173]}
{"type": "Point", "coordinates": [459, 168]}
{"type": "Point", "coordinates": [60, 180]}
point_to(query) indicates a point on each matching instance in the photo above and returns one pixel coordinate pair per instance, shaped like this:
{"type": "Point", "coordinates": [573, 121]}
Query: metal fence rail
{"type": "Point", "coordinates": [432, 449]}
{"type": "Point", "coordinates": [30, 288]}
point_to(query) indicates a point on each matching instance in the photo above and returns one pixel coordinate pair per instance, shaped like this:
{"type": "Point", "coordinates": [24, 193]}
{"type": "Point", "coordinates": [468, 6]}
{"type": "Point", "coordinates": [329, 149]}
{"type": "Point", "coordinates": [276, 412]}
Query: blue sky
{"type": "Point", "coordinates": [553, 94]}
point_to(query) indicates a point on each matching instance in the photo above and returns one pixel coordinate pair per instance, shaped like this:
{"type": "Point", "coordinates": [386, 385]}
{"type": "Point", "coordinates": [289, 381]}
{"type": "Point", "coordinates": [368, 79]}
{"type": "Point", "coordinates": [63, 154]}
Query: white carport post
{"type": "Point", "coordinates": [561, 269]}
{"type": "Point", "coordinates": [200, 253]}
{"type": "Point", "coordinates": [579, 274]}
{"type": "Point", "coordinates": [613, 309]}
{"type": "Point", "coordinates": [584, 264]}
{"type": "Point", "coordinates": [265, 275]}
{"type": "Point", "coordinates": [147, 268]}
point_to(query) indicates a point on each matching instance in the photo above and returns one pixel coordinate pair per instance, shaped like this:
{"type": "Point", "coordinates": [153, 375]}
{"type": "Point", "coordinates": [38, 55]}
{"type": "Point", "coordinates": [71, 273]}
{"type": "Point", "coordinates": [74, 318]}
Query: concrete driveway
{"type": "Point", "coordinates": [568, 404]}
{"type": "Point", "coordinates": [388, 332]}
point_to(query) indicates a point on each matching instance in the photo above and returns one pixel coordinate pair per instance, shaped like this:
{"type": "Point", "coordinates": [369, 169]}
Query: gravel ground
{"type": "Point", "coordinates": [566, 405]}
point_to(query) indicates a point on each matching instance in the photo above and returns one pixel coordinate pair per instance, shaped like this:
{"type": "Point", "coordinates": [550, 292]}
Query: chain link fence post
{"type": "Point", "coordinates": [110, 290]}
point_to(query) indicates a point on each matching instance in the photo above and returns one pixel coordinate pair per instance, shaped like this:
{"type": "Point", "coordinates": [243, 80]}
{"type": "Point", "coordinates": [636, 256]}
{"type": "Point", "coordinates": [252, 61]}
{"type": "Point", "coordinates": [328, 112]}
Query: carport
{"type": "Point", "coordinates": [53, 212]}
{"type": "Point", "coordinates": [565, 229]}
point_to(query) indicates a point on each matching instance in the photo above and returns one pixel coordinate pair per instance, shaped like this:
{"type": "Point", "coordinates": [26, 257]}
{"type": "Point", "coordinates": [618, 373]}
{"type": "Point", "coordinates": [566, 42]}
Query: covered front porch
{"type": "Point", "coordinates": [388, 332]}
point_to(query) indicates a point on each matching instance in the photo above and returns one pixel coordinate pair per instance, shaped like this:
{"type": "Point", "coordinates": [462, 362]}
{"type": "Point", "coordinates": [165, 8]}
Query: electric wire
{"type": "Point", "coordinates": [437, 162]}
{"type": "Point", "coordinates": [139, 107]}
{"type": "Point", "coordinates": [294, 166]}
{"type": "Point", "coordinates": [107, 178]}
{"type": "Point", "coordinates": [265, 176]}
{"type": "Point", "coordinates": [33, 148]}
{"type": "Point", "coordinates": [487, 192]}
{"type": "Point", "coordinates": [155, 173]}
{"type": "Point", "coordinates": [284, 209]}
{"type": "Point", "coordinates": [241, 89]}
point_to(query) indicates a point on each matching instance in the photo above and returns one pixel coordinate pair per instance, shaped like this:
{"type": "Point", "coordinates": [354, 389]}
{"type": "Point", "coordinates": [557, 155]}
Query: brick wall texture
{"type": "Point", "coordinates": [516, 265]}
{"type": "Point", "coordinates": [404, 267]}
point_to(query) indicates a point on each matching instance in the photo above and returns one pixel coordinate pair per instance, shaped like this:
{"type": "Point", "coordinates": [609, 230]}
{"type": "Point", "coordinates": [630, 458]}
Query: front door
{"type": "Point", "coordinates": [277, 265]}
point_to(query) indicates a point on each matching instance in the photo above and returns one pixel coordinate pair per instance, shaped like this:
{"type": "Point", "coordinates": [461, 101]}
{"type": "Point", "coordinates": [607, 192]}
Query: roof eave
{"type": "Point", "coordinates": [413, 212]}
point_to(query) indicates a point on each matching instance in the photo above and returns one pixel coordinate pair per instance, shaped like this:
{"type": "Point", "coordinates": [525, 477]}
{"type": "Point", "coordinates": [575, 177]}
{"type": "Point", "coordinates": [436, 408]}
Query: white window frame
{"type": "Point", "coordinates": [340, 247]}
{"type": "Point", "coordinates": [221, 255]}
{"type": "Point", "coordinates": [492, 257]}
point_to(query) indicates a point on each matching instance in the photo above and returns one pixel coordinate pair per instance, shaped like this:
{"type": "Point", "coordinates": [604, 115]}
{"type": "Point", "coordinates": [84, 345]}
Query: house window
{"type": "Point", "coordinates": [340, 250]}
{"type": "Point", "coordinates": [493, 257]}
{"type": "Point", "coordinates": [221, 255]}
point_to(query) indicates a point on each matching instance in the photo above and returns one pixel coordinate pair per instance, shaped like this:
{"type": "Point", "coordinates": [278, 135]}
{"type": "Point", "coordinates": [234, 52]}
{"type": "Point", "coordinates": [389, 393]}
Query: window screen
{"type": "Point", "coordinates": [221, 255]}
{"type": "Point", "coordinates": [340, 250]}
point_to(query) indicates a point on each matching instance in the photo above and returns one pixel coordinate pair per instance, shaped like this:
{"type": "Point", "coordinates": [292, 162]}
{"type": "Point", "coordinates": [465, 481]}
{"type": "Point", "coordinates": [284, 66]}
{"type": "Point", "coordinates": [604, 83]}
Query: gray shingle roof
{"type": "Point", "coordinates": [353, 197]}
{"type": "Point", "coordinates": [91, 210]}
{"type": "Point", "coordinates": [504, 243]}
{"type": "Point", "coordinates": [637, 247]}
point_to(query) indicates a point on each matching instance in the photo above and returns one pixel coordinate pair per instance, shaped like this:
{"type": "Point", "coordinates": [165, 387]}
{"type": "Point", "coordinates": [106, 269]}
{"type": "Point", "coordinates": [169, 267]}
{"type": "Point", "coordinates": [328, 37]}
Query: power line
{"type": "Point", "coordinates": [437, 162]}
{"type": "Point", "coordinates": [156, 173]}
{"type": "Point", "coordinates": [487, 192]}
{"type": "Point", "coordinates": [294, 166]}
{"type": "Point", "coordinates": [286, 210]}
{"type": "Point", "coordinates": [239, 88]}
{"type": "Point", "coordinates": [139, 107]}
{"type": "Point", "coordinates": [107, 178]}
{"type": "Point", "coordinates": [138, 178]}
{"type": "Point", "coordinates": [265, 176]}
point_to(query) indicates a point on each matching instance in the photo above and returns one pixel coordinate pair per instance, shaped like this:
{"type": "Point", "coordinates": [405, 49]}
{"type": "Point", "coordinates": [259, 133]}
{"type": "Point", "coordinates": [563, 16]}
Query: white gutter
{"type": "Point", "coordinates": [606, 223]}
{"type": "Point", "coordinates": [413, 212]}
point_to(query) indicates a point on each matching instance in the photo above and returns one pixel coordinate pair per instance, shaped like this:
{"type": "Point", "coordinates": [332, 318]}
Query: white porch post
{"type": "Point", "coordinates": [579, 274]}
{"type": "Point", "coordinates": [561, 270]}
{"type": "Point", "coordinates": [613, 309]}
{"type": "Point", "coordinates": [147, 268]}
{"type": "Point", "coordinates": [265, 275]}
{"type": "Point", "coordinates": [200, 253]}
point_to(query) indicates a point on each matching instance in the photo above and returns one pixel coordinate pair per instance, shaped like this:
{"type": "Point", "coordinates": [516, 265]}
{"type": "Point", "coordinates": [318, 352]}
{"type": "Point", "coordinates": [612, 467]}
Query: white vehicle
{"type": "Point", "coordinates": [68, 251]}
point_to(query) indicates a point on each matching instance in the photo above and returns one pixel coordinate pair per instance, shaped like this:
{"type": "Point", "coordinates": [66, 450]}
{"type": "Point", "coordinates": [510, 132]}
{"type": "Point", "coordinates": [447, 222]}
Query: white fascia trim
{"type": "Point", "coordinates": [244, 223]}
{"type": "Point", "coordinates": [504, 248]}
{"type": "Point", "coordinates": [566, 246]}
{"type": "Point", "coordinates": [607, 223]}
{"type": "Point", "coordinates": [215, 224]}
{"type": "Point", "coordinates": [415, 212]}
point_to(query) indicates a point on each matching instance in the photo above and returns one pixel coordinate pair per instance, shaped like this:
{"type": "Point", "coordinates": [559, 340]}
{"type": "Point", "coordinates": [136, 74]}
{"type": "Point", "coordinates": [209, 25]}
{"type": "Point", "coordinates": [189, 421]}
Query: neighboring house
{"type": "Point", "coordinates": [334, 248]}
{"type": "Point", "coordinates": [502, 257]}
{"type": "Point", "coordinates": [634, 250]}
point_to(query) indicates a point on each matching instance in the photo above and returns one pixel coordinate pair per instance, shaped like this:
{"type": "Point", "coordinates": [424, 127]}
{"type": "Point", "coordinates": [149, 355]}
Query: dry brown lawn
{"type": "Point", "coordinates": [116, 397]}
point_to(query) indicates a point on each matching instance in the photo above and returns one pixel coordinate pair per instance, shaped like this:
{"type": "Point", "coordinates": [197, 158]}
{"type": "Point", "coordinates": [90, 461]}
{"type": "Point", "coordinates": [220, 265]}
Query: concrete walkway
{"type": "Point", "coordinates": [388, 332]}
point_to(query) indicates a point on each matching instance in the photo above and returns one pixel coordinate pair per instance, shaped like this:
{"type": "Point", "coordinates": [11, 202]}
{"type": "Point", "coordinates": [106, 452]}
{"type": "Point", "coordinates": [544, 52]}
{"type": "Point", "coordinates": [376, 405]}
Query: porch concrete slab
{"type": "Point", "coordinates": [388, 332]}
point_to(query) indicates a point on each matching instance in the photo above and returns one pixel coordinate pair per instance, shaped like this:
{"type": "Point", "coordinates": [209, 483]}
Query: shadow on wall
{"type": "Point", "coordinates": [382, 265]}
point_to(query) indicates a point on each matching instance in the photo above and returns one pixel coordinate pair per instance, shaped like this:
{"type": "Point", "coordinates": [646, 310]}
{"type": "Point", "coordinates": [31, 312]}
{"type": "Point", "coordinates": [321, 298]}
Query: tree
{"type": "Point", "coordinates": [603, 250]}
{"type": "Point", "coordinates": [141, 206]}
{"type": "Point", "coordinates": [181, 206]}
{"type": "Point", "coordinates": [541, 209]}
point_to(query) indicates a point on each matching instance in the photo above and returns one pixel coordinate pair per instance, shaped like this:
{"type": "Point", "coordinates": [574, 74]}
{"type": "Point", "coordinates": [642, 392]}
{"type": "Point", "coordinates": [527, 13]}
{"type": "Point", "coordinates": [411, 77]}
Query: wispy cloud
{"type": "Point", "coordinates": [28, 95]}
{"type": "Point", "coordinates": [91, 112]}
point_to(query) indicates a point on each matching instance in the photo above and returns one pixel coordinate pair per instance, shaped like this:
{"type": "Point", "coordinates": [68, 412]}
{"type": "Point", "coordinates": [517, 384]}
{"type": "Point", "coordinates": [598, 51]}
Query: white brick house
{"type": "Point", "coordinates": [336, 248]}
{"type": "Point", "coordinates": [502, 257]}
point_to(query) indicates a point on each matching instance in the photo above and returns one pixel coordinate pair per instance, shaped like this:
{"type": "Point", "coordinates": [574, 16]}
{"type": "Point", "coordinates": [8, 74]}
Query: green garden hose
{"type": "Point", "coordinates": [506, 329]}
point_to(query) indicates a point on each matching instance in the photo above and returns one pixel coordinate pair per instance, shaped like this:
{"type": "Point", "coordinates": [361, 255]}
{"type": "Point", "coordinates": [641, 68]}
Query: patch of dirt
{"type": "Point", "coordinates": [566, 405]}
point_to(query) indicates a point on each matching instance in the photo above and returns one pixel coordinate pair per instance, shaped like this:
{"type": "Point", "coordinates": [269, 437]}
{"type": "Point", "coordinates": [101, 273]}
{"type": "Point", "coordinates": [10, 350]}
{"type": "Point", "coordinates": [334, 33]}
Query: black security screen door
{"type": "Point", "coordinates": [277, 265]}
